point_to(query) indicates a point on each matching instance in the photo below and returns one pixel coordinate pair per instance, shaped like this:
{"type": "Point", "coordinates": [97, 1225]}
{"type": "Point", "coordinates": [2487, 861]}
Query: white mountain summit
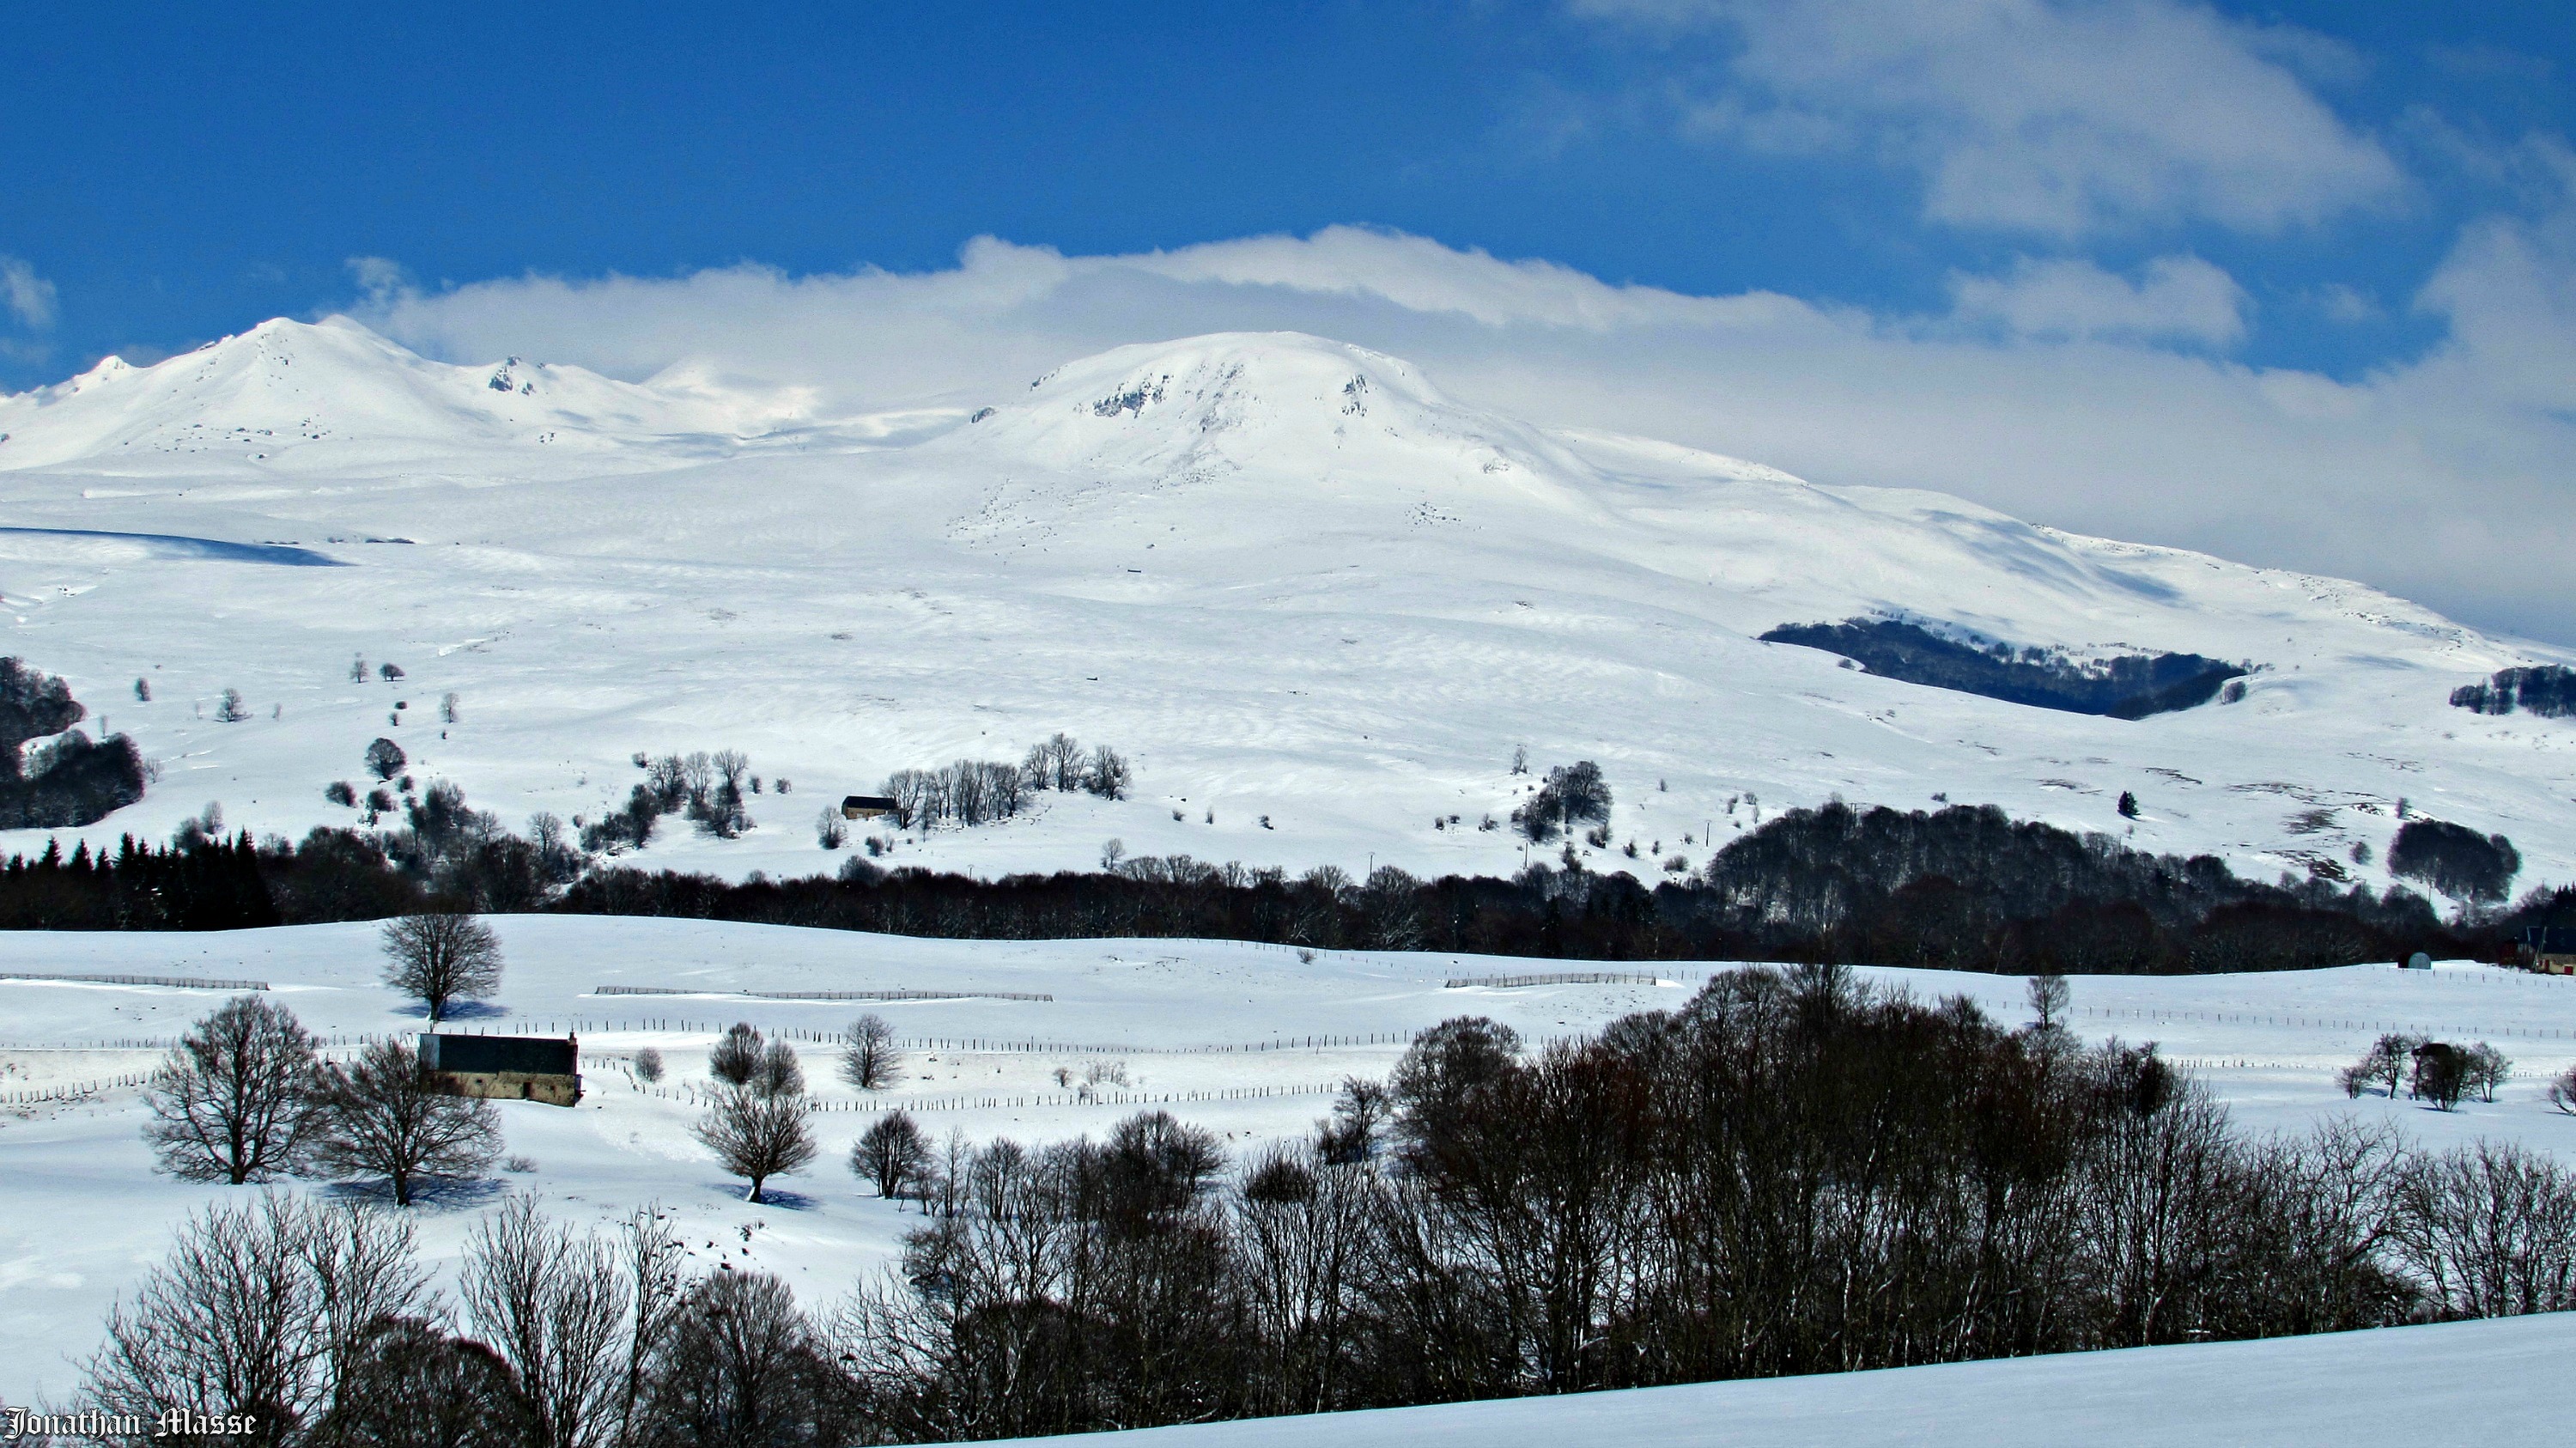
{"type": "Point", "coordinates": [1307, 592]}
{"type": "Point", "coordinates": [333, 396]}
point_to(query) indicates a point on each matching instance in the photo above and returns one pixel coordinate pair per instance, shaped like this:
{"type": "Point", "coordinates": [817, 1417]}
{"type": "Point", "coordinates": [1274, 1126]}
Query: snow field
{"type": "Point", "coordinates": [2480, 1382]}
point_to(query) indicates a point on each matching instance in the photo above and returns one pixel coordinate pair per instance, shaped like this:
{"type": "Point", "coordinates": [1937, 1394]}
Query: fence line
{"type": "Point", "coordinates": [2269, 1018]}
{"type": "Point", "coordinates": [180, 981]}
{"type": "Point", "coordinates": [826, 995]}
{"type": "Point", "coordinates": [1562, 977]}
{"type": "Point", "coordinates": [873, 1105]}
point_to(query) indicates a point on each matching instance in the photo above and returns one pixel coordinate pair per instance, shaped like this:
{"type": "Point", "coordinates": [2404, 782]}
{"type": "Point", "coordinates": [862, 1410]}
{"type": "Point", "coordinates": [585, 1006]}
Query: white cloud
{"type": "Point", "coordinates": [2418, 479]}
{"type": "Point", "coordinates": [381, 280]}
{"type": "Point", "coordinates": [2060, 117]}
{"type": "Point", "coordinates": [2177, 298]}
{"type": "Point", "coordinates": [29, 297]}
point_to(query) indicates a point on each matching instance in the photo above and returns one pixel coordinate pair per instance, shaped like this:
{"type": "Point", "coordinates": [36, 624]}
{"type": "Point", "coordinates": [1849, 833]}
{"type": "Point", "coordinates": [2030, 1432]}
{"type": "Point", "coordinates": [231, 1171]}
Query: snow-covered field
{"type": "Point", "coordinates": [1246, 1039]}
{"type": "Point", "coordinates": [2477, 1382]}
{"type": "Point", "coordinates": [1317, 603]}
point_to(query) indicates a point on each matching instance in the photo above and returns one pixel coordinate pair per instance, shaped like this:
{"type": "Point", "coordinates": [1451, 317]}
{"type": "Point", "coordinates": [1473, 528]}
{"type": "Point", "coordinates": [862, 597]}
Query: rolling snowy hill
{"type": "Point", "coordinates": [1317, 601]}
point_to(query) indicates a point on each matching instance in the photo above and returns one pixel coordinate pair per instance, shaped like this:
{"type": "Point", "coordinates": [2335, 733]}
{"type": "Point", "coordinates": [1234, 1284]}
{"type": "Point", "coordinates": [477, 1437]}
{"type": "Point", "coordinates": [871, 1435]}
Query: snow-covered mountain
{"type": "Point", "coordinates": [1320, 602]}
{"type": "Point", "coordinates": [335, 397]}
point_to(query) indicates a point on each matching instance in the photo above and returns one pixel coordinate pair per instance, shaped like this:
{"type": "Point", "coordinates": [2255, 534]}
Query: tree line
{"type": "Point", "coordinates": [1793, 1173]}
{"type": "Point", "coordinates": [1960, 888]}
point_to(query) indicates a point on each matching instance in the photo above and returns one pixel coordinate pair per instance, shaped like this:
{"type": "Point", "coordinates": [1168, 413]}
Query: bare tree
{"type": "Point", "coordinates": [2562, 1092]}
{"type": "Point", "coordinates": [411, 1382]}
{"type": "Point", "coordinates": [260, 1308]}
{"type": "Point", "coordinates": [237, 1099]}
{"type": "Point", "coordinates": [830, 830]}
{"type": "Point", "coordinates": [656, 1283]}
{"type": "Point", "coordinates": [551, 1302]}
{"type": "Point", "coordinates": [736, 1054]}
{"type": "Point", "coordinates": [230, 710]}
{"type": "Point", "coordinates": [731, 765]}
{"type": "Point", "coordinates": [648, 1065]}
{"type": "Point", "coordinates": [389, 1119]}
{"type": "Point", "coordinates": [743, 1366]}
{"type": "Point", "coordinates": [868, 1057]}
{"type": "Point", "coordinates": [1064, 762]}
{"type": "Point", "coordinates": [2489, 1230]}
{"type": "Point", "coordinates": [890, 1153]}
{"type": "Point", "coordinates": [447, 707]}
{"type": "Point", "coordinates": [758, 1136]}
{"type": "Point", "coordinates": [385, 759]}
{"type": "Point", "coordinates": [2441, 1074]}
{"type": "Point", "coordinates": [2486, 1069]}
{"type": "Point", "coordinates": [1108, 775]}
{"type": "Point", "coordinates": [442, 957]}
{"type": "Point", "coordinates": [779, 1073]}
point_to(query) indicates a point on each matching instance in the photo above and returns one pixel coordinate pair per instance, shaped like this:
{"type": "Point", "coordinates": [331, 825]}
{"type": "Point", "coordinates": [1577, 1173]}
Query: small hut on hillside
{"type": "Point", "coordinates": [506, 1068]}
{"type": "Point", "coordinates": [867, 806]}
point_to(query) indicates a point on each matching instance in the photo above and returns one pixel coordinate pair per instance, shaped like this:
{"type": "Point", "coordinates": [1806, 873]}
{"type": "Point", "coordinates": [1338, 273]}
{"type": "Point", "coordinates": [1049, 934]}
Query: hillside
{"type": "Point", "coordinates": [1316, 601]}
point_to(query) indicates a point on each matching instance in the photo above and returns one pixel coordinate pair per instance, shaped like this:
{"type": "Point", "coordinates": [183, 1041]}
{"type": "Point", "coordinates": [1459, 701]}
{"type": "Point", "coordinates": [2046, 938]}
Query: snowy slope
{"type": "Point", "coordinates": [1290, 577]}
{"type": "Point", "coordinates": [2482, 1380]}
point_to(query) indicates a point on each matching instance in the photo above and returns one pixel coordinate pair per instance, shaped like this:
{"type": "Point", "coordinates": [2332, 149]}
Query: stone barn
{"type": "Point", "coordinates": [506, 1068]}
{"type": "Point", "coordinates": [867, 806]}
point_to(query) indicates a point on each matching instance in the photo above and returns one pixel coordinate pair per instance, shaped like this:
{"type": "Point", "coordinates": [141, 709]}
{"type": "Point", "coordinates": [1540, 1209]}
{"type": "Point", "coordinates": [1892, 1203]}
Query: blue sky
{"type": "Point", "coordinates": [2148, 202]}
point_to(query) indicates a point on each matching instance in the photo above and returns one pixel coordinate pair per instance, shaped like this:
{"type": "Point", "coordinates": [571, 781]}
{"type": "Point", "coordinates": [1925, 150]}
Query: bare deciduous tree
{"type": "Point", "coordinates": [743, 1366]}
{"type": "Point", "coordinates": [388, 1119]}
{"type": "Point", "coordinates": [552, 1303]}
{"type": "Point", "coordinates": [868, 1056]}
{"type": "Point", "coordinates": [779, 1073]}
{"type": "Point", "coordinates": [385, 759]}
{"type": "Point", "coordinates": [735, 1055]}
{"type": "Point", "coordinates": [890, 1153]}
{"type": "Point", "coordinates": [442, 957]}
{"type": "Point", "coordinates": [260, 1308]}
{"type": "Point", "coordinates": [758, 1136]}
{"type": "Point", "coordinates": [238, 1099]}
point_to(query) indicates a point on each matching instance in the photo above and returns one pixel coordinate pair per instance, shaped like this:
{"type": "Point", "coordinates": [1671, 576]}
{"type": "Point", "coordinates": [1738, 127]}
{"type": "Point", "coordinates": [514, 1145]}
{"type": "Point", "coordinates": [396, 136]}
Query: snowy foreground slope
{"type": "Point", "coordinates": [1247, 1040]}
{"type": "Point", "coordinates": [1318, 603]}
{"type": "Point", "coordinates": [2480, 1382]}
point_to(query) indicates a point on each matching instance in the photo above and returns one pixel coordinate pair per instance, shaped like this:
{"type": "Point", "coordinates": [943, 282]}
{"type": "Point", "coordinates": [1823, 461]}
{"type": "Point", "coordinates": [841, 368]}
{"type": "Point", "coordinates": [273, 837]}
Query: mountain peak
{"type": "Point", "coordinates": [335, 395]}
{"type": "Point", "coordinates": [1281, 403]}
